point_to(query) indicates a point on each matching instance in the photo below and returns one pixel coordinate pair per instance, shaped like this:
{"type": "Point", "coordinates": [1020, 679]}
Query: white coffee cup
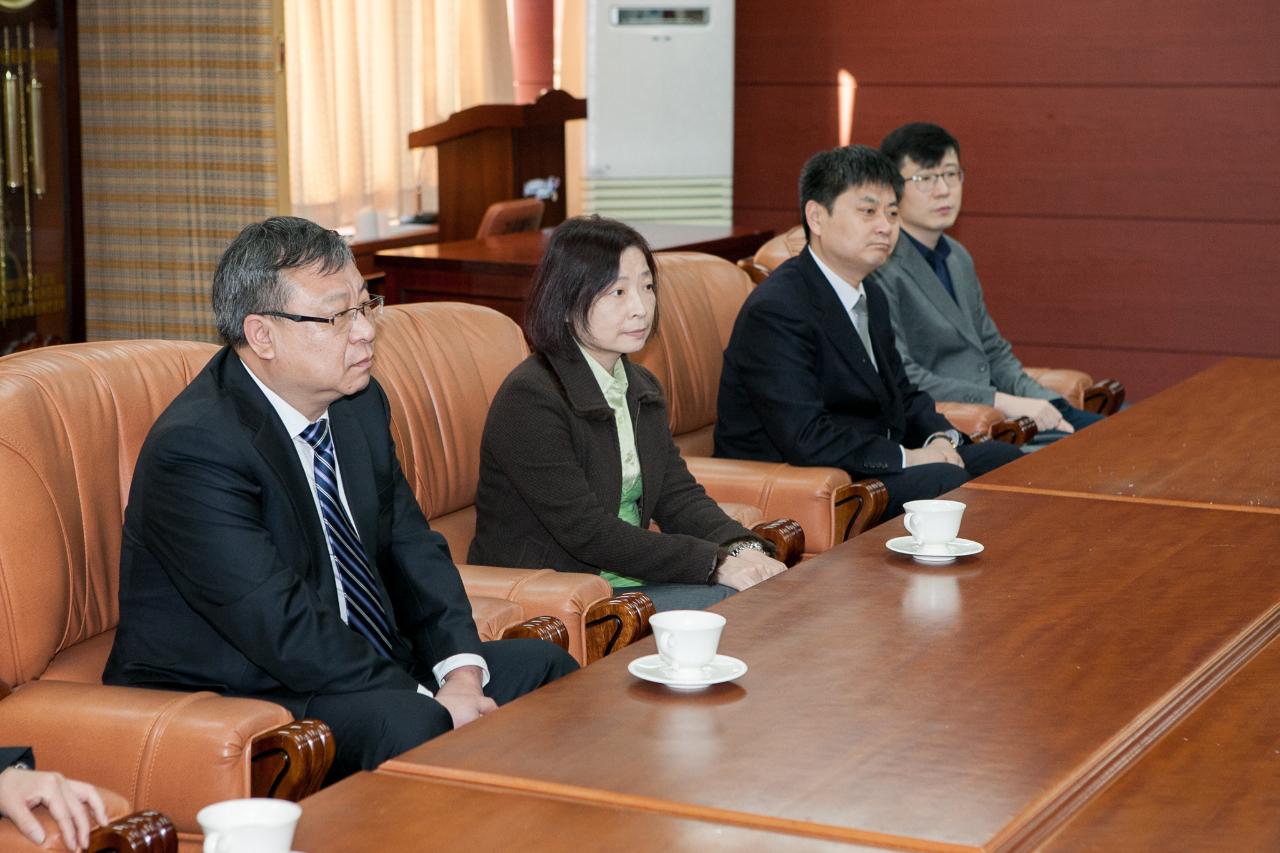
{"type": "Point", "coordinates": [932, 524]}
{"type": "Point", "coordinates": [256, 825]}
{"type": "Point", "coordinates": [687, 640]}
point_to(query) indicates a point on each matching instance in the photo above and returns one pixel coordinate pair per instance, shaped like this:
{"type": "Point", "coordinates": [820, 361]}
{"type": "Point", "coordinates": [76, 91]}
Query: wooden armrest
{"type": "Point", "coordinates": [616, 623]}
{"type": "Point", "coordinates": [787, 537]}
{"type": "Point", "coordinates": [858, 506]}
{"type": "Point", "coordinates": [140, 832]}
{"type": "Point", "coordinates": [1016, 431]}
{"type": "Point", "coordinates": [1104, 397]}
{"type": "Point", "coordinates": [291, 761]}
{"type": "Point", "coordinates": [547, 628]}
{"type": "Point", "coordinates": [755, 271]}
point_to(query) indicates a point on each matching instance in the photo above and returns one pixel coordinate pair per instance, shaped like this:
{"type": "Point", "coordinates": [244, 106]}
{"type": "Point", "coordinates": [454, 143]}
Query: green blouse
{"type": "Point", "coordinates": [614, 387]}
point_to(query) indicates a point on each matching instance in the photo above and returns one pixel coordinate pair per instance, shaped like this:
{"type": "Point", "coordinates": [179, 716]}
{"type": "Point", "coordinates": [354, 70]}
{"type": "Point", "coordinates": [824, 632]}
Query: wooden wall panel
{"type": "Point", "coordinates": [1120, 202]}
{"type": "Point", "coordinates": [932, 42]}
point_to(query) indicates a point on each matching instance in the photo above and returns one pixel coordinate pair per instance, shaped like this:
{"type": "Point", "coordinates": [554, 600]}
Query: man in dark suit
{"type": "Point", "coordinates": [74, 806]}
{"type": "Point", "coordinates": [272, 547]}
{"type": "Point", "coordinates": [949, 344]}
{"type": "Point", "coordinates": [799, 384]}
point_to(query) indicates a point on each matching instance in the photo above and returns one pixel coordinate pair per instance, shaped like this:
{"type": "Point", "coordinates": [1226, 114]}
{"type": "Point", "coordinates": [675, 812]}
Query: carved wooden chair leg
{"type": "Point", "coordinates": [140, 832]}
{"type": "Point", "coordinates": [616, 623]}
{"type": "Point", "coordinates": [858, 506]}
{"type": "Point", "coordinates": [787, 537]}
{"type": "Point", "coordinates": [1104, 397]}
{"type": "Point", "coordinates": [291, 761]}
{"type": "Point", "coordinates": [547, 628]}
{"type": "Point", "coordinates": [1016, 431]}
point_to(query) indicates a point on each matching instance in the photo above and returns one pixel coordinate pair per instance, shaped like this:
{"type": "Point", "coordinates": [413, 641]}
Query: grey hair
{"type": "Point", "coordinates": [249, 277]}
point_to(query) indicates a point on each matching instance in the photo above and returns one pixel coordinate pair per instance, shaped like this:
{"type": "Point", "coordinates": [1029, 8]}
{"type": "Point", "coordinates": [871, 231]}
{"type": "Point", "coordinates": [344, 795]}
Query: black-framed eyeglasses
{"type": "Point", "coordinates": [925, 183]}
{"type": "Point", "coordinates": [371, 309]}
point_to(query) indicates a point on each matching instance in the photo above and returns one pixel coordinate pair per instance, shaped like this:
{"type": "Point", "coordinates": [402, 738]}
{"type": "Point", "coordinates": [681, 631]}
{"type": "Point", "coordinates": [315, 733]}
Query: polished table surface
{"type": "Point", "coordinates": [971, 707]}
{"type": "Point", "coordinates": [1212, 783]}
{"type": "Point", "coordinates": [388, 812]}
{"type": "Point", "coordinates": [1212, 440]}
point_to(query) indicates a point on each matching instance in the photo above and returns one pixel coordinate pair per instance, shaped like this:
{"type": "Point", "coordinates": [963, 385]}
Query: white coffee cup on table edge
{"type": "Point", "coordinates": [256, 825]}
{"type": "Point", "coordinates": [933, 523]}
{"type": "Point", "coordinates": [687, 640]}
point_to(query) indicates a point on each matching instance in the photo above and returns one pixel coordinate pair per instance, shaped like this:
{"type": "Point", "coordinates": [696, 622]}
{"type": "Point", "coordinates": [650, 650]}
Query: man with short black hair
{"type": "Point", "coordinates": [811, 374]}
{"type": "Point", "coordinates": [949, 344]}
{"type": "Point", "coordinates": [272, 547]}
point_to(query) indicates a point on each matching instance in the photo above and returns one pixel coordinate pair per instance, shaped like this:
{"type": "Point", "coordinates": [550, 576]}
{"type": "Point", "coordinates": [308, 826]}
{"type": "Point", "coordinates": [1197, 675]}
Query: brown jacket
{"type": "Point", "coordinates": [551, 478]}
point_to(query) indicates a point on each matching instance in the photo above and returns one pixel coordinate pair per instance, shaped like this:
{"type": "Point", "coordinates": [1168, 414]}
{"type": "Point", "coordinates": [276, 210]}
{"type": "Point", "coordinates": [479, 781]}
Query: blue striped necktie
{"type": "Point", "coordinates": [365, 614]}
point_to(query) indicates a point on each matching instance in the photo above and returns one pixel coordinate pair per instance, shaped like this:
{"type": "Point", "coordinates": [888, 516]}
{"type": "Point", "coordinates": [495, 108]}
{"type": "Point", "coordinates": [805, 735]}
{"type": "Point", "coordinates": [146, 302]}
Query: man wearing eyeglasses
{"type": "Point", "coordinates": [949, 344]}
{"type": "Point", "coordinates": [272, 547]}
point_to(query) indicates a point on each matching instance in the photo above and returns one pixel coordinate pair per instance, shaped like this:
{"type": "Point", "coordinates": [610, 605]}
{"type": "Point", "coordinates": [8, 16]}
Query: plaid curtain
{"type": "Point", "coordinates": [179, 140]}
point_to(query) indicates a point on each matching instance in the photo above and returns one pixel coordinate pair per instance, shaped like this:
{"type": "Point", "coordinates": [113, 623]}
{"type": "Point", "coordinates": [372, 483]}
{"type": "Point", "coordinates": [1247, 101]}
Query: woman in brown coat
{"type": "Point", "coordinates": [577, 457]}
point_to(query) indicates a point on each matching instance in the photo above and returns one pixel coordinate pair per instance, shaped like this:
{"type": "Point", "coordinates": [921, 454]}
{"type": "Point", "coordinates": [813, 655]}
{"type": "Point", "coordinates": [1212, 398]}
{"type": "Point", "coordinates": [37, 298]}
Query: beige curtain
{"type": "Point", "coordinates": [362, 74]}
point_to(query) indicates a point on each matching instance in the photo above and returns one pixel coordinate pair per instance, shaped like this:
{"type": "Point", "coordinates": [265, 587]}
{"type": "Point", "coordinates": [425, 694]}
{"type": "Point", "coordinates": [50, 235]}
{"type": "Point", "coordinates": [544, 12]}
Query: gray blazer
{"type": "Point", "coordinates": [951, 347]}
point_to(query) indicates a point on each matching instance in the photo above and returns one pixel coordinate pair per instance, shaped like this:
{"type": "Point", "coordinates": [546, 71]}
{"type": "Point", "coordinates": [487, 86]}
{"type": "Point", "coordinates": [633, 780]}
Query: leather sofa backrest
{"type": "Point", "coordinates": [698, 300]}
{"type": "Point", "coordinates": [777, 249]}
{"type": "Point", "coordinates": [441, 363]}
{"type": "Point", "coordinates": [72, 420]}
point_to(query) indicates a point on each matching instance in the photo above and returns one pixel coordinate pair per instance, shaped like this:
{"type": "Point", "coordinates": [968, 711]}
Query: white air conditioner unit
{"type": "Point", "coordinates": [659, 134]}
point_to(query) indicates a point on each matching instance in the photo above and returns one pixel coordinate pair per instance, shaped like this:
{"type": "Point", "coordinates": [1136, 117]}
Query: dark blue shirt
{"type": "Point", "coordinates": [936, 258]}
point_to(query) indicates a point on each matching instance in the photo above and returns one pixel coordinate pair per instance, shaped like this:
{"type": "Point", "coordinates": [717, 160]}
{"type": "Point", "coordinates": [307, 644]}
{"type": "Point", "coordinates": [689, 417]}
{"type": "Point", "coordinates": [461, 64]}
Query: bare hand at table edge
{"type": "Point", "coordinates": [747, 569]}
{"type": "Point", "coordinates": [75, 806]}
{"type": "Point", "coordinates": [938, 450]}
{"type": "Point", "coordinates": [1044, 413]}
{"type": "Point", "coordinates": [462, 697]}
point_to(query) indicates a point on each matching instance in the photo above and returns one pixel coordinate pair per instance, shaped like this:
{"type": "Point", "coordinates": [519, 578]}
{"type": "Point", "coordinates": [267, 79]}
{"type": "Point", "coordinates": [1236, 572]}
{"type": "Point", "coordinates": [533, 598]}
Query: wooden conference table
{"type": "Point", "coordinates": [1103, 676]}
{"type": "Point", "coordinates": [1212, 440]}
{"type": "Point", "coordinates": [495, 271]}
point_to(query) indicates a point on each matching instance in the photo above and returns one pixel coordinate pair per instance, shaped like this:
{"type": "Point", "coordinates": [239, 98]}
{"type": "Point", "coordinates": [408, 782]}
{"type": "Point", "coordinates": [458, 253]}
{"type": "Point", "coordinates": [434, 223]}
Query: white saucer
{"type": "Point", "coordinates": [955, 548]}
{"type": "Point", "coordinates": [722, 668]}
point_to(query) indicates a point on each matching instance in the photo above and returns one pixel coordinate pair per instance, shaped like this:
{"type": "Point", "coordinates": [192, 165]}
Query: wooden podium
{"type": "Point", "coordinates": [487, 153]}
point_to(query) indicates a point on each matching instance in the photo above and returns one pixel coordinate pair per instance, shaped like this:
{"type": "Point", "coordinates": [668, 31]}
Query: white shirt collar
{"type": "Point", "coordinates": [294, 421]}
{"type": "Point", "coordinates": [847, 293]}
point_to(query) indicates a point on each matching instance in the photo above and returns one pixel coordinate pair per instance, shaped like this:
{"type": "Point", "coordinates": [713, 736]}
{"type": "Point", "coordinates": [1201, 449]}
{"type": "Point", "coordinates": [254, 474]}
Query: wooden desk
{"type": "Point", "coordinates": [971, 708]}
{"type": "Point", "coordinates": [1211, 441]}
{"type": "Point", "coordinates": [388, 812]}
{"type": "Point", "coordinates": [1212, 783]}
{"type": "Point", "coordinates": [365, 250]}
{"type": "Point", "coordinates": [496, 271]}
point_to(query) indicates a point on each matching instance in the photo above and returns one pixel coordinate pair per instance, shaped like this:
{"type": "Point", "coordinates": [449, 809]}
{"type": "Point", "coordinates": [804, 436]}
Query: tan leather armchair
{"type": "Point", "coordinates": [699, 297]}
{"type": "Point", "coordinates": [1103, 397]}
{"type": "Point", "coordinates": [74, 420]}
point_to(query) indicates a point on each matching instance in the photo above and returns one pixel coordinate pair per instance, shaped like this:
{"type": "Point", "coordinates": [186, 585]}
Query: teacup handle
{"type": "Point", "coordinates": [667, 643]}
{"type": "Point", "coordinates": [907, 521]}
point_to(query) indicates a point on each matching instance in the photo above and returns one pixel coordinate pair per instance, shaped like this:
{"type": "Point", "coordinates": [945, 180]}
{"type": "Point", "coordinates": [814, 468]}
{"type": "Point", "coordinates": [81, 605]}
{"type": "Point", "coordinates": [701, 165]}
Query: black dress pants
{"type": "Point", "coordinates": [372, 726]}
{"type": "Point", "coordinates": [921, 482]}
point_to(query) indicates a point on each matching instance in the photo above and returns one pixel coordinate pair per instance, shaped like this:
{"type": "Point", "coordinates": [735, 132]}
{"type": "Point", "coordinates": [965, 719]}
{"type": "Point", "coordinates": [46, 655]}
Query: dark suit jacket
{"type": "Point", "coordinates": [797, 385]}
{"type": "Point", "coordinates": [225, 578]}
{"type": "Point", "coordinates": [951, 347]}
{"type": "Point", "coordinates": [551, 479]}
{"type": "Point", "coordinates": [11, 755]}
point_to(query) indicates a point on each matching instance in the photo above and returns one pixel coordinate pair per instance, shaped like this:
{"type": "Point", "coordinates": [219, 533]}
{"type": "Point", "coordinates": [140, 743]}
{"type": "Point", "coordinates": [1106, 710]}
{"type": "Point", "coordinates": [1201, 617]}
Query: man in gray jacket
{"type": "Point", "coordinates": [950, 346]}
